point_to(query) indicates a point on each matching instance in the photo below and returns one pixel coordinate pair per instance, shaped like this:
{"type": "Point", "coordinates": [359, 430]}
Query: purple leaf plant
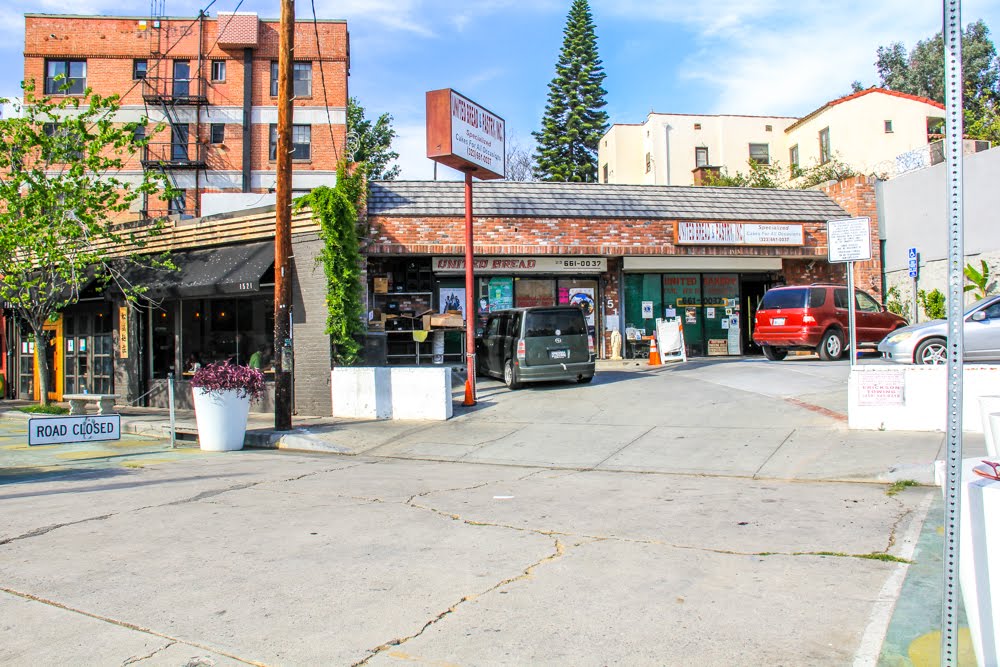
{"type": "Point", "coordinates": [249, 382]}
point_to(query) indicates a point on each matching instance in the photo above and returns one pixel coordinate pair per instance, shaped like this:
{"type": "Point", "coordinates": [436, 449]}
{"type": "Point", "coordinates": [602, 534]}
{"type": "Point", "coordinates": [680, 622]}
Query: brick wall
{"type": "Point", "coordinates": [612, 296]}
{"type": "Point", "coordinates": [311, 343]}
{"type": "Point", "coordinates": [856, 195]}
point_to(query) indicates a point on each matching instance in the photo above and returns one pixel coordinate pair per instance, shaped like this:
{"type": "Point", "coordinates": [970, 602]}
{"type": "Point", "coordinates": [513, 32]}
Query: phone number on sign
{"type": "Point", "coordinates": [582, 263]}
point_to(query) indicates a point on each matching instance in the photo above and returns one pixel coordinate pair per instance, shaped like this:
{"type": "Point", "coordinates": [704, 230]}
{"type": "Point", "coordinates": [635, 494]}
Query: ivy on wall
{"type": "Point", "coordinates": [336, 211]}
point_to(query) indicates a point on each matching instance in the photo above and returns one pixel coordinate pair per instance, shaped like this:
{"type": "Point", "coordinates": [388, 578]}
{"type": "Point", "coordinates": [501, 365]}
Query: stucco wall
{"type": "Point", "coordinates": [915, 215]}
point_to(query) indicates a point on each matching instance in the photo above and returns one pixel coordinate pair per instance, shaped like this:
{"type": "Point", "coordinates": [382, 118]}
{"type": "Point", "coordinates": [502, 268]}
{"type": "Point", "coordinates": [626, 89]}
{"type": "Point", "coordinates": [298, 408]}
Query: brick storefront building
{"type": "Point", "coordinates": [211, 82]}
{"type": "Point", "coordinates": [705, 255]}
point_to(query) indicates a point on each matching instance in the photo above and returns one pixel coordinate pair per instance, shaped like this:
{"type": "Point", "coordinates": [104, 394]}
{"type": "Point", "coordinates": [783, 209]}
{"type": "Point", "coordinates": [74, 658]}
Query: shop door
{"type": "Point", "coordinates": [752, 289]}
{"type": "Point", "coordinates": [52, 349]}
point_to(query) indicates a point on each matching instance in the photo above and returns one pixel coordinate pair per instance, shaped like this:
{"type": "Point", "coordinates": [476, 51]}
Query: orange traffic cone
{"type": "Point", "coordinates": [654, 354]}
{"type": "Point", "coordinates": [470, 397]}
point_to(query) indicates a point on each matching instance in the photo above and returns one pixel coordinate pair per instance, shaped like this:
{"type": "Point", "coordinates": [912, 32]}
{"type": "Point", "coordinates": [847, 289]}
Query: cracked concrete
{"type": "Point", "coordinates": [626, 528]}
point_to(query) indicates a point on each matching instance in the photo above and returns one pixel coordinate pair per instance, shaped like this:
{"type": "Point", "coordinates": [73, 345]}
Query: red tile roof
{"type": "Point", "coordinates": [862, 93]}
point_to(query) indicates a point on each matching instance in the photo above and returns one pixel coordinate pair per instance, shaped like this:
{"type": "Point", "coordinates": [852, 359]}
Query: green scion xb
{"type": "Point", "coordinates": [536, 344]}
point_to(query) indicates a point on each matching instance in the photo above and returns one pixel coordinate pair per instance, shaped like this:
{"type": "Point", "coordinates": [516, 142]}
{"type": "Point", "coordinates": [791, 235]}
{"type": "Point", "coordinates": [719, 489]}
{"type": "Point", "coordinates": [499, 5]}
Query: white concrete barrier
{"type": "Point", "coordinates": [979, 561]}
{"type": "Point", "coordinates": [897, 397]}
{"type": "Point", "coordinates": [368, 392]}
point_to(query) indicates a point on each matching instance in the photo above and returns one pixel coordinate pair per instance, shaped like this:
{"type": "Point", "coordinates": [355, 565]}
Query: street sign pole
{"type": "Point", "coordinates": [914, 262]}
{"type": "Point", "coordinates": [851, 324]}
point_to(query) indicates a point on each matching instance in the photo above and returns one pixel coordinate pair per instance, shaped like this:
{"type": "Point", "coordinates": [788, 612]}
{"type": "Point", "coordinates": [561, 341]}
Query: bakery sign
{"type": "Point", "coordinates": [738, 233]}
{"type": "Point", "coordinates": [516, 264]}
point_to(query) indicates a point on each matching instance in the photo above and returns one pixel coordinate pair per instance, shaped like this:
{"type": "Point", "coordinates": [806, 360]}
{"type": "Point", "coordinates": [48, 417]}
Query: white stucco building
{"type": "Point", "coordinates": [867, 130]}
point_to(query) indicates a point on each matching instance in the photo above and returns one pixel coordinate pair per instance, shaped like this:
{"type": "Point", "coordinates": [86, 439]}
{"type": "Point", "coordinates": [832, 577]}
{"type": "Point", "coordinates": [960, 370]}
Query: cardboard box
{"type": "Point", "coordinates": [381, 285]}
{"type": "Point", "coordinates": [445, 320]}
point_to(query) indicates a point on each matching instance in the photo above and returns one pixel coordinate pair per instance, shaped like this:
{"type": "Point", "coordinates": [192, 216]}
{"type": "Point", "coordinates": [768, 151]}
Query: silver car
{"type": "Point", "coordinates": [927, 343]}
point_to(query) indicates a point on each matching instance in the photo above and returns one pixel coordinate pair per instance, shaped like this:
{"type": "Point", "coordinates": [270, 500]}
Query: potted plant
{"type": "Point", "coordinates": [222, 394]}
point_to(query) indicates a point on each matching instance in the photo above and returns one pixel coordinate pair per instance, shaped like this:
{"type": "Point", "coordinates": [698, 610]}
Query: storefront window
{"type": "Point", "coordinates": [582, 293]}
{"type": "Point", "coordinates": [218, 330]}
{"type": "Point", "coordinates": [643, 302]}
{"type": "Point", "coordinates": [682, 298]}
{"type": "Point", "coordinates": [88, 350]}
{"type": "Point", "coordinates": [721, 313]}
{"type": "Point", "coordinates": [531, 292]}
{"type": "Point", "coordinates": [164, 339]}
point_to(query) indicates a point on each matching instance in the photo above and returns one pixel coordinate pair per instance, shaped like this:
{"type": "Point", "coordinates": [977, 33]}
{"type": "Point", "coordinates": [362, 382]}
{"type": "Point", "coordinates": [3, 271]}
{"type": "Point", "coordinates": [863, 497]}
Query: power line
{"type": "Point", "coordinates": [322, 78]}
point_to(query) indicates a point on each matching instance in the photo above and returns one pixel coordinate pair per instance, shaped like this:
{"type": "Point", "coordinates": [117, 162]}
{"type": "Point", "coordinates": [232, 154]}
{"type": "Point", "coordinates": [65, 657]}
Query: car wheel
{"type": "Point", "coordinates": [509, 378]}
{"type": "Point", "coordinates": [584, 379]}
{"type": "Point", "coordinates": [932, 351]}
{"type": "Point", "coordinates": [772, 353]}
{"type": "Point", "coordinates": [832, 345]}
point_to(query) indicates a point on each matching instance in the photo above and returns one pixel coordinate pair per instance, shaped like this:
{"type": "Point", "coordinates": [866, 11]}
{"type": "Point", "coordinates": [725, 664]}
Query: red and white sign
{"type": "Point", "coordinates": [882, 388]}
{"type": "Point", "coordinates": [464, 135]}
{"type": "Point", "coordinates": [520, 264]}
{"type": "Point", "coordinates": [739, 233]}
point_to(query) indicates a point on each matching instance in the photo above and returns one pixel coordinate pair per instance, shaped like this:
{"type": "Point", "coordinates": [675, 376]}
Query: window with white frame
{"type": "Point", "coordinates": [760, 153]}
{"type": "Point", "coordinates": [701, 156]}
{"type": "Point", "coordinates": [824, 145]}
{"type": "Point", "coordinates": [65, 77]}
{"type": "Point", "coordinates": [301, 142]}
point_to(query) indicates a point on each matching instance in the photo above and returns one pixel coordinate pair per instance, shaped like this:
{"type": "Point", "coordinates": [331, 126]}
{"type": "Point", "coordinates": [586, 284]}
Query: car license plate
{"type": "Point", "coordinates": [777, 321]}
{"type": "Point", "coordinates": [558, 354]}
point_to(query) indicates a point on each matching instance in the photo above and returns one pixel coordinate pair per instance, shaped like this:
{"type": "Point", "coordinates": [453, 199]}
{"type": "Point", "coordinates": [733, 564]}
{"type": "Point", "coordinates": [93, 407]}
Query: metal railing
{"type": "Point", "coordinates": [174, 155]}
{"type": "Point", "coordinates": [191, 90]}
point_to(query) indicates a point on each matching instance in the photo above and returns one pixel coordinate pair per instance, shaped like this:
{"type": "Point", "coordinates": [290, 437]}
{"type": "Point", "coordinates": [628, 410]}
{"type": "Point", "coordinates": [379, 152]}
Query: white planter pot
{"type": "Point", "coordinates": [988, 406]}
{"type": "Point", "coordinates": [221, 417]}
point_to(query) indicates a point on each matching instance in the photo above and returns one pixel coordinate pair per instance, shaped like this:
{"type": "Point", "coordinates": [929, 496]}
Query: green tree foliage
{"type": "Point", "coordinates": [61, 220]}
{"type": "Point", "coordinates": [921, 72]}
{"type": "Point", "coordinates": [336, 211]}
{"type": "Point", "coordinates": [980, 279]}
{"type": "Point", "coordinates": [775, 176]}
{"type": "Point", "coordinates": [934, 303]}
{"type": "Point", "coordinates": [573, 122]}
{"type": "Point", "coordinates": [371, 142]}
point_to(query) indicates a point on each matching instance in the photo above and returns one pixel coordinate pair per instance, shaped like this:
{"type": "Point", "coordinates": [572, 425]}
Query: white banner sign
{"type": "Point", "coordinates": [849, 240]}
{"type": "Point", "coordinates": [477, 135]}
{"type": "Point", "coordinates": [522, 264]}
{"type": "Point", "coordinates": [86, 428]}
{"type": "Point", "coordinates": [882, 388]}
{"type": "Point", "coordinates": [739, 233]}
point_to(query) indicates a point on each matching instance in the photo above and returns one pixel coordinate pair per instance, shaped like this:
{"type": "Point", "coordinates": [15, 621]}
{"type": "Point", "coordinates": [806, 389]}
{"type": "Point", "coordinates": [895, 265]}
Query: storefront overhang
{"type": "Point", "coordinates": [707, 263]}
{"type": "Point", "coordinates": [235, 269]}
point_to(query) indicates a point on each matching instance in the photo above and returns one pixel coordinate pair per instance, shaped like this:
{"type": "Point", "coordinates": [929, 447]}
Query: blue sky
{"type": "Point", "coordinates": [715, 56]}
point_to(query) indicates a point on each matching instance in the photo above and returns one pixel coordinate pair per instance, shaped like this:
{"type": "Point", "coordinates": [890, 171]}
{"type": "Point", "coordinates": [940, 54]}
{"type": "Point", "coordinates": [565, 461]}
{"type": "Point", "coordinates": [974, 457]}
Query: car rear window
{"type": "Point", "coordinates": [784, 298]}
{"type": "Point", "coordinates": [544, 323]}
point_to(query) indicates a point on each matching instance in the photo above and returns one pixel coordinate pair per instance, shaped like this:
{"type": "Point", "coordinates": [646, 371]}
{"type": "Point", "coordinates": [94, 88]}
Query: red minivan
{"type": "Point", "coordinates": [815, 317]}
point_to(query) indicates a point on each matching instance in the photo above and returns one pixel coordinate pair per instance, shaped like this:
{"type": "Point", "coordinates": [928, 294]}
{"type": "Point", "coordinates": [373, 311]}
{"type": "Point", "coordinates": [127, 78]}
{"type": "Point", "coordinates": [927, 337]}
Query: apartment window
{"type": "Point", "coordinates": [179, 136]}
{"type": "Point", "coordinates": [793, 159]}
{"type": "Point", "coordinates": [65, 77]}
{"type": "Point", "coordinates": [139, 69]}
{"type": "Point", "coordinates": [649, 163]}
{"type": "Point", "coordinates": [888, 127]}
{"type": "Point", "coordinates": [824, 145]}
{"type": "Point", "coordinates": [701, 156]}
{"type": "Point", "coordinates": [697, 126]}
{"type": "Point", "coordinates": [301, 140]}
{"type": "Point", "coordinates": [218, 132]}
{"type": "Point", "coordinates": [176, 204]}
{"type": "Point", "coordinates": [760, 153]}
{"type": "Point", "coordinates": [301, 79]}
{"type": "Point", "coordinates": [604, 174]}
{"type": "Point", "coordinates": [218, 70]}
{"type": "Point", "coordinates": [302, 74]}
{"type": "Point", "coordinates": [63, 147]}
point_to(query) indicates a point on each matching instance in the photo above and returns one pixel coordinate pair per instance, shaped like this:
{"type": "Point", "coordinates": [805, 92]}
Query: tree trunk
{"type": "Point", "coordinates": [42, 364]}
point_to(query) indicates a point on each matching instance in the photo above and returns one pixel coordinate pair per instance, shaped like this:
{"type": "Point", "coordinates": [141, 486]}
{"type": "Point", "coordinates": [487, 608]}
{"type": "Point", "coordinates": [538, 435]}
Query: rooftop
{"type": "Point", "coordinates": [593, 200]}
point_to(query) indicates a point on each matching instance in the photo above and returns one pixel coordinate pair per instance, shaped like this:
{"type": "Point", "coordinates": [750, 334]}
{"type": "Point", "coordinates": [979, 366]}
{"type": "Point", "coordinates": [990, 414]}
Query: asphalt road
{"type": "Point", "coordinates": [706, 514]}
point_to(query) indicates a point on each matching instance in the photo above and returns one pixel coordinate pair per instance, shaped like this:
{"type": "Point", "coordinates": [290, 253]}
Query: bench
{"type": "Point", "coordinates": [78, 403]}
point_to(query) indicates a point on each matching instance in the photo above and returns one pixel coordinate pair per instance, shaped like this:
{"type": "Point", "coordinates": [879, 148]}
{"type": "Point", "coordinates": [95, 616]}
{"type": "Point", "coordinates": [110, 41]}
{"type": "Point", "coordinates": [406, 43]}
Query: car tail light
{"type": "Point", "coordinates": [521, 350]}
{"type": "Point", "coordinates": [590, 344]}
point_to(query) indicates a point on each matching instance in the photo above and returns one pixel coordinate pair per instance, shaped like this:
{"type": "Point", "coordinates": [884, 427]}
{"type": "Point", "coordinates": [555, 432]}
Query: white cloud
{"type": "Point", "coordinates": [771, 57]}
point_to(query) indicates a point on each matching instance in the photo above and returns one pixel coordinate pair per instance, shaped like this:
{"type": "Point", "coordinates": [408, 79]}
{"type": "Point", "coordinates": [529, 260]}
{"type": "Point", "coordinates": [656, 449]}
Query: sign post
{"type": "Point", "coordinates": [914, 263]}
{"type": "Point", "coordinates": [849, 241]}
{"type": "Point", "coordinates": [467, 137]}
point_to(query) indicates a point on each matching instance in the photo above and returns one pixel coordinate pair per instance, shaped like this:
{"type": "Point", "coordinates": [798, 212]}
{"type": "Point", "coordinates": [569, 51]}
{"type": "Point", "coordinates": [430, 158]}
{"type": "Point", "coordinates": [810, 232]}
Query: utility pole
{"type": "Point", "coordinates": [283, 225]}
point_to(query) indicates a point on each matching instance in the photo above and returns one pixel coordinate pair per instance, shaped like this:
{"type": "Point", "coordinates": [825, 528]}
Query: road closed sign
{"type": "Point", "coordinates": [849, 240]}
{"type": "Point", "coordinates": [86, 428]}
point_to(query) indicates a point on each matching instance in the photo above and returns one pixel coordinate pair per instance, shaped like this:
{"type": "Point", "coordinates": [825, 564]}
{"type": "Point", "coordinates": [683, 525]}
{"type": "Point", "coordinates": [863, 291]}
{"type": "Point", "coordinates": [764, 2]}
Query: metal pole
{"type": "Point", "coordinates": [471, 316]}
{"type": "Point", "coordinates": [851, 323]}
{"type": "Point", "coordinates": [283, 221]}
{"type": "Point", "coordinates": [916, 306]}
{"type": "Point", "coordinates": [956, 281]}
{"type": "Point", "coordinates": [170, 398]}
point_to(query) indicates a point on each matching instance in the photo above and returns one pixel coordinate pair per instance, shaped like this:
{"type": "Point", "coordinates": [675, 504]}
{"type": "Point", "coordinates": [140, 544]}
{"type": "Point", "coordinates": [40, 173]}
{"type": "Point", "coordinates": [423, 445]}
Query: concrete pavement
{"type": "Point", "coordinates": [693, 514]}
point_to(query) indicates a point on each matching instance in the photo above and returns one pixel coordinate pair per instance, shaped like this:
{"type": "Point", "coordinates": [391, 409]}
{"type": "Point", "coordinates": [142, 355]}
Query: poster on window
{"type": "Point", "coordinates": [453, 298]}
{"type": "Point", "coordinates": [690, 315]}
{"type": "Point", "coordinates": [501, 294]}
{"type": "Point", "coordinates": [583, 298]}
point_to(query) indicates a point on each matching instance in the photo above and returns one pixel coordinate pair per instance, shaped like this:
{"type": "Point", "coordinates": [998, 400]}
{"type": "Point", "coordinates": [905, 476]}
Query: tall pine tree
{"type": "Point", "coordinates": [573, 123]}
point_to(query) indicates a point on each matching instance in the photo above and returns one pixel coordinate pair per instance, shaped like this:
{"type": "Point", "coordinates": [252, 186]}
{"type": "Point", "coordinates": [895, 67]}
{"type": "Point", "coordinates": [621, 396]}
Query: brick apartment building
{"type": "Point", "coordinates": [212, 82]}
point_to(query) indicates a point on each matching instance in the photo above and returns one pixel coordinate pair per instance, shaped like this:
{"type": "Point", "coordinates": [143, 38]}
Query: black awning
{"type": "Point", "coordinates": [235, 269]}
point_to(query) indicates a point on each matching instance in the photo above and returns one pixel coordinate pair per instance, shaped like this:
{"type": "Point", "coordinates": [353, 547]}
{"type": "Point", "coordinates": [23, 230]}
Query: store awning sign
{"type": "Point", "coordinates": [739, 233]}
{"type": "Point", "coordinates": [522, 264]}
